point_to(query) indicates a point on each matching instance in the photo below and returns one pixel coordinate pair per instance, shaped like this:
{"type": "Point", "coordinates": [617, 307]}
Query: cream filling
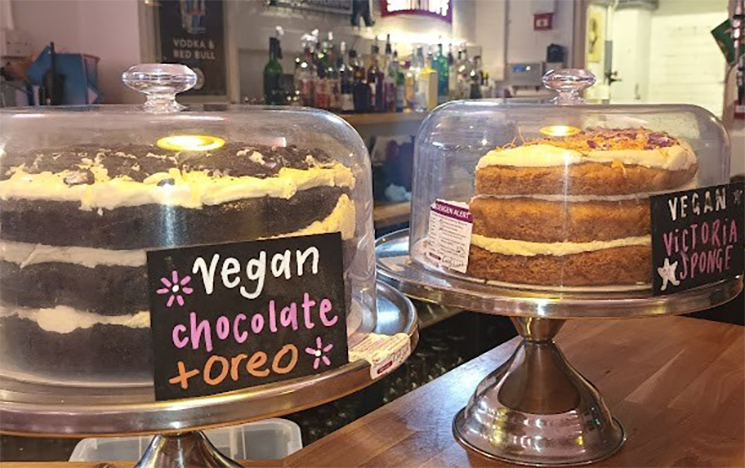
{"type": "Point", "coordinates": [639, 196]}
{"type": "Point", "coordinates": [559, 249]}
{"type": "Point", "coordinates": [23, 255]}
{"type": "Point", "coordinates": [189, 190]}
{"type": "Point", "coordinates": [673, 158]}
{"type": "Point", "coordinates": [63, 319]}
{"type": "Point", "coordinates": [342, 219]}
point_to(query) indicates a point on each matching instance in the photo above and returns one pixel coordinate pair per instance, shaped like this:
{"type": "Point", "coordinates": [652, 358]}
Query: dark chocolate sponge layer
{"type": "Point", "coordinates": [141, 161]}
{"type": "Point", "coordinates": [157, 226]}
{"type": "Point", "coordinates": [105, 350]}
{"type": "Point", "coordinates": [106, 290]}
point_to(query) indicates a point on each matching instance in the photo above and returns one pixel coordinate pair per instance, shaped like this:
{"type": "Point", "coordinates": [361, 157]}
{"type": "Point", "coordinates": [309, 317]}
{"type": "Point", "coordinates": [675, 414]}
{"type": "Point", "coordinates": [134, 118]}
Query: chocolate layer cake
{"type": "Point", "coordinates": [76, 224]}
{"type": "Point", "coordinates": [573, 211]}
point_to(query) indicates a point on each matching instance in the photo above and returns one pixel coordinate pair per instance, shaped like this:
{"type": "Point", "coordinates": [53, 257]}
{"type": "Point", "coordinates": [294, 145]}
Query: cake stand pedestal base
{"type": "Point", "coordinates": [185, 450]}
{"type": "Point", "coordinates": [536, 409]}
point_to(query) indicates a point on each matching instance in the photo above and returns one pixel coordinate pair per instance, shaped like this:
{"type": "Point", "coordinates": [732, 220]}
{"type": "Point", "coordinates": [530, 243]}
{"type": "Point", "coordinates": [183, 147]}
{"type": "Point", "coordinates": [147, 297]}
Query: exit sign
{"type": "Point", "coordinates": [442, 9]}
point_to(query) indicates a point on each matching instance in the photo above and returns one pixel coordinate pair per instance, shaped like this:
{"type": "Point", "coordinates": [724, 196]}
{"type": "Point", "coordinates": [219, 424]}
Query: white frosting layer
{"type": "Point", "coordinates": [531, 249]}
{"type": "Point", "coordinates": [63, 319]}
{"type": "Point", "coordinates": [531, 156]}
{"type": "Point", "coordinates": [189, 190]}
{"type": "Point", "coordinates": [673, 158]}
{"type": "Point", "coordinates": [23, 254]}
{"type": "Point", "coordinates": [590, 198]}
{"type": "Point", "coordinates": [341, 219]}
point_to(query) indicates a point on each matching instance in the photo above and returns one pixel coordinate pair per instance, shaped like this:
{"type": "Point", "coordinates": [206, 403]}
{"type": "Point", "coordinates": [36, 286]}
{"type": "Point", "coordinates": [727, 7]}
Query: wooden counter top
{"type": "Point", "coordinates": [675, 383]}
{"type": "Point", "coordinates": [383, 118]}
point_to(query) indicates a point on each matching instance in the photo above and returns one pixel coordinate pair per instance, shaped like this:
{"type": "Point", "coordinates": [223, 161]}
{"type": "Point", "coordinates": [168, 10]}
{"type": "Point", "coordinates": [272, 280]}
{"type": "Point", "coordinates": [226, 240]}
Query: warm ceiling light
{"type": "Point", "coordinates": [560, 130]}
{"type": "Point", "coordinates": [190, 143]}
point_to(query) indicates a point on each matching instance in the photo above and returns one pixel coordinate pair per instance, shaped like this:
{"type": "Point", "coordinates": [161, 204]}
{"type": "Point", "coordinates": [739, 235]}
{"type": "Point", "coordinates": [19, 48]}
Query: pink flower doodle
{"type": "Point", "coordinates": [175, 288]}
{"type": "Point", "coordinates": [318, 353]}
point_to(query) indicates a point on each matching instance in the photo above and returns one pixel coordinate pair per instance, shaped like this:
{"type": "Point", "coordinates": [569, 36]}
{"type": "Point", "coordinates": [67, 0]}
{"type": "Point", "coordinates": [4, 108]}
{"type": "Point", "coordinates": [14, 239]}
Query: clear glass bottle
{"type": "Point", "coordinates": [417, 65]}
{"type": "Point", "coordinates": [427, 82]}
{"type": "Point", "coordinates": [410, 74]}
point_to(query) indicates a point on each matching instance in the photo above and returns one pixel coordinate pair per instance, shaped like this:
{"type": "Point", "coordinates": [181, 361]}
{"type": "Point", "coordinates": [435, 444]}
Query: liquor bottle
{"type": "Point", "coordinates": [486, 87]}
{"type": "Point", "coordinates": [412, 81]}
{"type": "Point", "coordinates": [305, 74]}
{"type": "Point", "coordinates": [375, 78]}
{"type": "Point", "coordinates": [464, 73]}
{"type": "Point", "coordinates": [346, 80]}
{"type": "Point", "coordinates": [273, 92]}
{"type": "Point", "coordinates": [390, 72]}
{"type": "Point", "coordinates": [388, 57]}
{"type": "Point", "coordinates": [476, 79]}
{"type": "Point", "coordinates": [398, 77]}
{"type": "Point", "coordinates": [427, 82]}
{"type": "Point", "coordinates": [318, 51]}
{"type": "Point", "coordinates": [323, 91]}
{"type": "Point", "coordinates": [361, 89]}
{"type": "Point", "coordinates": [440, 64]}
{"type": "Point", "coordinates": [452, 75]}
{"type": "Point", "coordinates": [332, 74]}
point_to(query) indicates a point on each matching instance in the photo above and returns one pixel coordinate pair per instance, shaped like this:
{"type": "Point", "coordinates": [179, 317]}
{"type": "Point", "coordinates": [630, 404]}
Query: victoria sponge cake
{"type": "Point", "coordinates": [574, 210]}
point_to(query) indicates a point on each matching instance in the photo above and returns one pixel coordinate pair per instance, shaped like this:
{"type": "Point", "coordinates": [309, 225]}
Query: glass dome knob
{"type": "Point", "coordinates": [160, 82]}
{"type": "Point", "coordinates": [569, 83]}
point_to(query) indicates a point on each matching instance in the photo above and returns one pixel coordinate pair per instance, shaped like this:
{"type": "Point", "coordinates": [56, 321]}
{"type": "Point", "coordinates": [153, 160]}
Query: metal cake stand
{"type": "Point", "coordinates": [536, 409]}
{"type": "Point", "coordinates": [55, 411]}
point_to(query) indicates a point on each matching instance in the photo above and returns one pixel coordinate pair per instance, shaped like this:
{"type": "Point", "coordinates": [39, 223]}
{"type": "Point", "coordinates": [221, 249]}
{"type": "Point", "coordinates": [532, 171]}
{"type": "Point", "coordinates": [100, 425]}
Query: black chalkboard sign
{"type": "Point", "coordinates": [230, 316]}
{"type": "Point", "coordinates": [697, 237]}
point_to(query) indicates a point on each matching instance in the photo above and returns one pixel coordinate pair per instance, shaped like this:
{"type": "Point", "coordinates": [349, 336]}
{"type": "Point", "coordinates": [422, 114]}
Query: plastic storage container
{"type": "Point", "coordinates": [554, 196]}
{"type": "Point", "coordinates": [86, 191]}
{"type": "Point", "coordinates": [272, 439]}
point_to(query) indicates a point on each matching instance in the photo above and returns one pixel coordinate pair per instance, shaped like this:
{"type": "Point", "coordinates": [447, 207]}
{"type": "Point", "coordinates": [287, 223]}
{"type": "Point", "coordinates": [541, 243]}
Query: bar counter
{"type": "Point", "coordinates": [676, 384]}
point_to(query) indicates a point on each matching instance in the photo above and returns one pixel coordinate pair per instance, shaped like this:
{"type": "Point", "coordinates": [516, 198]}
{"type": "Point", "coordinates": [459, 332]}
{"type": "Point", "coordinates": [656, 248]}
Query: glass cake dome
{"type": "Point", "coordinates": [547, 197]}
{"type": "Point", "coordinates": [85, 192]}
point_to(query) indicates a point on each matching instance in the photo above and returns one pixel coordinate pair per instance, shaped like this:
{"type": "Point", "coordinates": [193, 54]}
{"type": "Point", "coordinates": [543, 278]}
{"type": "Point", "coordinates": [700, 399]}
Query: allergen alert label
{"type": "Point", "coordinates": [449, 236]}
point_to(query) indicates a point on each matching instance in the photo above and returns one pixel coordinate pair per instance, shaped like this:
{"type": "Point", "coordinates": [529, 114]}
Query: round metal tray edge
{"type": "Point", "coordinates": [396, 268]}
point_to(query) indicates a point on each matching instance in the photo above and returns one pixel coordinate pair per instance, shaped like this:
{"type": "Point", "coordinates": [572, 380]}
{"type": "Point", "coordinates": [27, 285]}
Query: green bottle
{"type": "Point", "coordinates": [273, 91]}
{"type": "Point", "coordinates": [440, 64]}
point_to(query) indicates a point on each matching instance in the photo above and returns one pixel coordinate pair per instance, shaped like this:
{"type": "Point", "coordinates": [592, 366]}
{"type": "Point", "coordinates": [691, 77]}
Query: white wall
{"type": "Point", "coordinates": [668, 55]}
{"type": "Point", "coordinates": [491, 34]}
{"type": "Point", "coordinates": [108, 29]}
{"type": "Point", "coordinates": [686, 64]}
{"type": "Point", "coordinates": [111, 31]}
{"type": "Point", "coordinates": [631, 32]}
{"type": "Point", "coordinates": [526, 45]}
